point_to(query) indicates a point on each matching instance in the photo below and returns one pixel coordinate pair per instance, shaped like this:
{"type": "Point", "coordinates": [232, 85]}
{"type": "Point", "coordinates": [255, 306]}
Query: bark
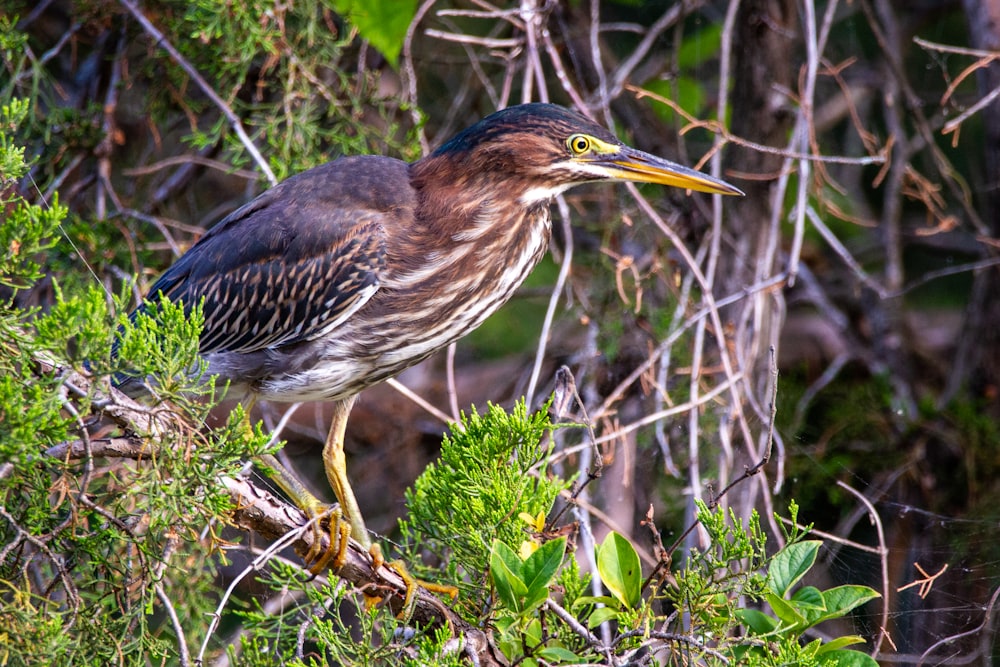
{"type": "Point", "coordinates": [977, 363]}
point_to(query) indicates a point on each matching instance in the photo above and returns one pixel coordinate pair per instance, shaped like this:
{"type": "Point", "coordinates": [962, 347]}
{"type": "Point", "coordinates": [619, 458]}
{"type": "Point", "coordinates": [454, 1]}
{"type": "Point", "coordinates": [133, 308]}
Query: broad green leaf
{"type": "Point", "coordinates": [784, 610]}
{"type": "Point", "coordinates": [509, 557]}
{"type": "Point", "coordinates": [505, 569]}
{"type": "Point", "coordinates": [809, 596]}
{"type": "Point", "coordinates": [759, 622]}
{"type": "Point", "coordinates": [847, 658]}
{"type": "Point", "coordinates": [541, 567]}
{"type": "Point", "coordinates": [539, 570]}
{"type": "Point", "coordinates": [790, 564]}
{"type": "Point", "coordinates": [558, 654]}
{"type": "Point", "coordinates": [601, 615]}
{"type": "Point", "coordinates": [382, 22]}
{"type": "Point", "coordinates": [618, 564]}
{"type": "Point", "coordinates": [839, 643]}
{"type": "Point", "coordinates": [808, 600]}
{"type": "Point", "coordinates": [810, 650]}
{"type": "Point", "coordinates": [593, 599]}
{"type": "Point", "coordinates": [842, 599]}
{"type": "Point", "coordinates": [533, 633]}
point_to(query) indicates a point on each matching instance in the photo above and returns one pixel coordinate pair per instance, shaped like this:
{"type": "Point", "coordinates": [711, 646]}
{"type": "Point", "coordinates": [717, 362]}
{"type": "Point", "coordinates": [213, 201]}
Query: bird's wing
{"type": "Point", "coordinates": [296, 262]}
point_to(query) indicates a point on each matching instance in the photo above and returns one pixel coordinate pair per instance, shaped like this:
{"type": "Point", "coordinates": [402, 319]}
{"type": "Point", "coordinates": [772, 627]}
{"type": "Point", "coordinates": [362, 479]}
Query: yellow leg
{"type": "Point", "coordinates": [335, 465]}
{"type": "Point", "coordinates": [314, 508]}
{"type": "Point", "coordinates": [311, 505]}
{"type": "Point", "coordinates": [336, 472]}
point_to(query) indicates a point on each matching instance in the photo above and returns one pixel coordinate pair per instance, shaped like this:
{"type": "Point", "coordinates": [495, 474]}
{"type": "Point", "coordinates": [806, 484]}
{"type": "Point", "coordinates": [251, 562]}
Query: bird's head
{"type": "Point", "coordinates": [548, 149]}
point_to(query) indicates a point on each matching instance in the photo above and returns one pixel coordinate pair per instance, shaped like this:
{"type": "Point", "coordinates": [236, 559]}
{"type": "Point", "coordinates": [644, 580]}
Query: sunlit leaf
{"type": "Point", "coordinates": [383, 23]}
{"type": "Point", "coordinates": [618, 564]}
{"type": "Point", "coordinates": [790, 564]}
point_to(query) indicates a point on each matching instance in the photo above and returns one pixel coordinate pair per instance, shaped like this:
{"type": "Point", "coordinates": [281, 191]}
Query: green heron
{"type": "Point", "coordinates": [346, 274]}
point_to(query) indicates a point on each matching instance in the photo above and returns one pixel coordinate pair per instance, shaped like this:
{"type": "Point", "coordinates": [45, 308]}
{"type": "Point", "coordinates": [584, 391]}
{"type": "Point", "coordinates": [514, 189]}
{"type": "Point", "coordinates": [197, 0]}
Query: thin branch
{"type": "Point", "coordinates": [949, 48]}
{"type": "Point", "coordinates": [285, 540]}
{"type": "Point", "coordinates": [550, 311]}
{"type": "Point", "coordinates": [574, 624]}
{"type": "Point", "coordinates": [179, 160]}
{"type": "Point", "coordinates": [185, 655]}
{"type": "Point", "coordinates": [234, 121]}
{"type": "Point", "coordinates": [476, 40]}
{"type": "Point", "coordinates": [883, 560]}
{"type": "Point", "coordinates": [984, 102]}
{"type": "Point", "coordinates": [951, 639]}
{"type": "Point", "coordinates": [416, 398]}
{"type": "Point", "coordinates": [844, 253]}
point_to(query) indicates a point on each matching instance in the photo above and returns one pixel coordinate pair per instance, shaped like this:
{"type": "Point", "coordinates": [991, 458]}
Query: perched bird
{"type": "Point", "coordinates": [346, 274]}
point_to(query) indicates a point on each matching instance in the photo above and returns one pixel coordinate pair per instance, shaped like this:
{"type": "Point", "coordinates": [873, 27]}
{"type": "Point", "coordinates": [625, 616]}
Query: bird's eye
{"type": "Point", "coordinates": [579, 143]}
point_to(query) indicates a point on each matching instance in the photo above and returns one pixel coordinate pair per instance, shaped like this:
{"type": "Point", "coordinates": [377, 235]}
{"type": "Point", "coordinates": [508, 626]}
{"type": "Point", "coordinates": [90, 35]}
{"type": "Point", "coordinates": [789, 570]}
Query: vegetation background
{"type": "Point", "coordinates": [857, 282]}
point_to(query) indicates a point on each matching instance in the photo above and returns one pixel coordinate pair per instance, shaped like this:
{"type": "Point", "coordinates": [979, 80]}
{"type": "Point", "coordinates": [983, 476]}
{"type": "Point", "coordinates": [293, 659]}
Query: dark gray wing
{"type": "Point", "coordinates": [294, 263]}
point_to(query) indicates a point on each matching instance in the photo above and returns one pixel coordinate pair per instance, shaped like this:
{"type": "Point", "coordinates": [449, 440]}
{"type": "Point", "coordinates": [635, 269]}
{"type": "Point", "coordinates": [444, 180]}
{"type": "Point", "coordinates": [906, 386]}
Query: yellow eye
{"type": "Point", "coordinates": [579, 143]}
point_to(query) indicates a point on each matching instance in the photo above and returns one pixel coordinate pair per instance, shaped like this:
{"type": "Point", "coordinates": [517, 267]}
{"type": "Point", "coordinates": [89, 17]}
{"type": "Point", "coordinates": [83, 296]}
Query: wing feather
{"type": "Point", "coordinates": [295, 263]}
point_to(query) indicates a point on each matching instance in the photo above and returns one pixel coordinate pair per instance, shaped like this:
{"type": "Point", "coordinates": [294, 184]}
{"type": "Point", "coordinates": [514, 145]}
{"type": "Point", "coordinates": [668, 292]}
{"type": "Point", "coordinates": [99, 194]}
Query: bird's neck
{"type": "Point", "coordinates": [464, 224]}
{"type": "Point", "coordinates": [475, 205]}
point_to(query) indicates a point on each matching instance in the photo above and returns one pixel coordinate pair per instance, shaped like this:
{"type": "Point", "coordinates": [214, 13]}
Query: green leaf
{"type": "Point", "coordinates": [382, 22]}
{"type": "Point", "coordinates": [809, 596]}
{"type": "Point", "coordinates": [790, 564]}
{"type": "Point", "coordinates": [558, 654]}
{"type": "Point", "coordinates": [601, 615]}
{"type": "Point", "coordinates": [618, 564]}
{"type": "Point", "coordinates": [808, 600]}
{"type": "Point", "coordinates": [842, 599]}
{"type": "Point", "coordinates": [533, 633]}
{"type": "Point", "coordinates": [838, 643]}
{"type": "Point", "coordinates": [540, 569]}
{"type": "Point", "coordinates": [809, 651]}
{"type": "Point", "coordinates": [505, 570]}
{"type": "Point", "coordinates": [847, 658]}
{"type": "Point", "coordinates": [757, 621]}
{"type": "Point", "coordinates": [785, 611]}
{"type": "Point", "coordinates": [593, 599]}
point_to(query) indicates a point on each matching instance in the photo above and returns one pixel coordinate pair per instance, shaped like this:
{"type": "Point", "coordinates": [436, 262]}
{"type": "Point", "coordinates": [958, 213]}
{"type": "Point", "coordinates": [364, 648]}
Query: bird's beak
{"type": "Point", "coordinates": [629, 164]}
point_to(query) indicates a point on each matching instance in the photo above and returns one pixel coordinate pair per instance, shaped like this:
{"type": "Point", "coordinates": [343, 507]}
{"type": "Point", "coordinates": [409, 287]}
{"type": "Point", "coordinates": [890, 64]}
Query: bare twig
{"type": "Point", "coordinates": [182, 648]}
{"type": "Point", "coordinates": [883, 560]}
{"type": "Point", "coordinates": [951, 639]}
{"type": "Point", "coordinates": [175, 55]}
{"type": "Point", "coordinates": [926, 584]}
{"type": "Point", "coordinates": [419, 400]}
{"type": "Point", "coordinates": [574, 624]}
{"type": "Point", "coordinates": [550, 311]}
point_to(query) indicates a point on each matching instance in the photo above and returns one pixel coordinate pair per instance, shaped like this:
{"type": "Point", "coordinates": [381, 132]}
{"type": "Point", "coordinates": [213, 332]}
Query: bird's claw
{"type": "Point", "coordinates": [411, 583]}
{"type": "Point", "coordinates": [318, 559]}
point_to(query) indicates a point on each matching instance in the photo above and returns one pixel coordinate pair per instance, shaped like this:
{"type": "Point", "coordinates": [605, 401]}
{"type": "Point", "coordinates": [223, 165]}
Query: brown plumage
{"type": "Point", "coordinates": [349, 273]}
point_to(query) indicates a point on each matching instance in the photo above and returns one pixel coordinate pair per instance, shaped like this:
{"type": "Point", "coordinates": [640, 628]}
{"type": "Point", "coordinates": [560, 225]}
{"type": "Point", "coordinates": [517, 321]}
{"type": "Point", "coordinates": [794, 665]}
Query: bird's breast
{"type": "Point", "coordinates": [460, 284]}
{"type": "Point", "coordinates": [426, 300]}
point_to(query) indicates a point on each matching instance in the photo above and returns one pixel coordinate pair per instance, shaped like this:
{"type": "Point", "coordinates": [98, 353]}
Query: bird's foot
{"type": "Point", "coordinates": [318, 559]}
{"type": "Point", "coordinates": [409, 581]}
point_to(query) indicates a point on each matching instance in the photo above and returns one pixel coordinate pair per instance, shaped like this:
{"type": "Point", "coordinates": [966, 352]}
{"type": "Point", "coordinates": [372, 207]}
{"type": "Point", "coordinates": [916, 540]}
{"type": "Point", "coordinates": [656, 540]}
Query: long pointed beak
{"type": "Point", "coordinates": [629, 164]}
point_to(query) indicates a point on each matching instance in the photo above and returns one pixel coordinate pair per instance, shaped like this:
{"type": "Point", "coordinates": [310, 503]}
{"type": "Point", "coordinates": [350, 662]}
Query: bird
{"type": "Point", "coordinates": [344, 275]}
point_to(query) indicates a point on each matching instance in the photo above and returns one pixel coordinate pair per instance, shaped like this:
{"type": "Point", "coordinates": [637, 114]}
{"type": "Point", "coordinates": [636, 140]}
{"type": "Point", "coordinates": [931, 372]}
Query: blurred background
{"type": "Point", "coordinates": [860, 273]}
